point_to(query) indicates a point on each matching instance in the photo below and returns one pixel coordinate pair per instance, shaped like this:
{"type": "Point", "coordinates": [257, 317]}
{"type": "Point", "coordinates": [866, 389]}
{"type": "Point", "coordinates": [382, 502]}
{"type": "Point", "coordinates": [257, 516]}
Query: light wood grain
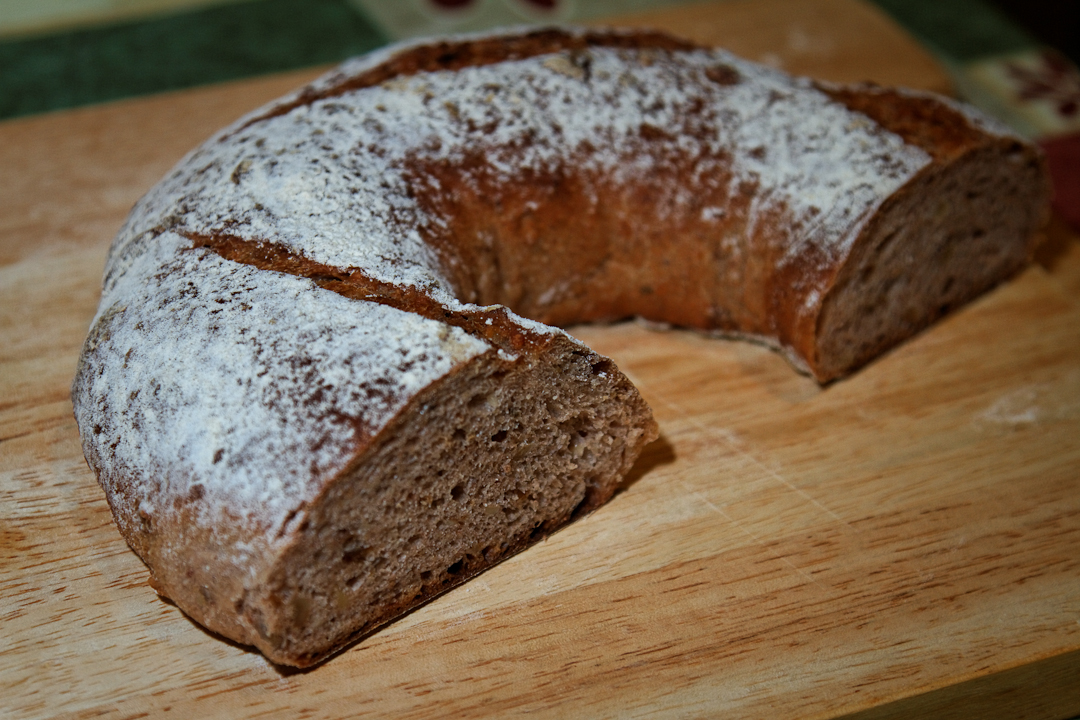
{"type": "Point", "coordinates": [900, 544]}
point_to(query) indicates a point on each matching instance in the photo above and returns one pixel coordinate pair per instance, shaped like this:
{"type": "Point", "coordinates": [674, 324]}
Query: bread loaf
{"type": "Point", "coordinates": [310, 392]}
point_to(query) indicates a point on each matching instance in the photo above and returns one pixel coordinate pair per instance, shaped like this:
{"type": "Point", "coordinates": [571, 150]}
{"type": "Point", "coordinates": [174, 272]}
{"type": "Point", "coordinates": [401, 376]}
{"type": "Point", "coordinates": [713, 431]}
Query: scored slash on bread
{"type": "Point", "coordinates": [311, 393]}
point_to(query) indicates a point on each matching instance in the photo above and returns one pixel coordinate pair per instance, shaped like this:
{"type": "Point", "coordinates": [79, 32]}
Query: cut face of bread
{"type": "Point", "coordinates": [945, 240]}
{"type": "Point", "coordinates": [311, 393]}
{"type": "Point", "coordinates": [495, 457]}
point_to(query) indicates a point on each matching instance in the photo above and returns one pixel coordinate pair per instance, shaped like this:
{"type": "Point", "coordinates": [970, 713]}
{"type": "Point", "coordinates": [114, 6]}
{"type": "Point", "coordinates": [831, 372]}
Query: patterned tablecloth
{"type": "Point", "coordinates": [56, 55]}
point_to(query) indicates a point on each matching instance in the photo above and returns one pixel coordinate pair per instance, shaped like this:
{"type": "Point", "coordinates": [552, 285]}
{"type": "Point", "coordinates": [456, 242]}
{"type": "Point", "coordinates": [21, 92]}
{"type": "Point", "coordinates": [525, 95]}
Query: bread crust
{"type": "Point", "coordinates": [352, 266]}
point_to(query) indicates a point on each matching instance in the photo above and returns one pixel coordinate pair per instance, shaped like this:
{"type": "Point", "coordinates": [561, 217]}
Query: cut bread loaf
{"type": "Point", "coordinates": [311, 394]}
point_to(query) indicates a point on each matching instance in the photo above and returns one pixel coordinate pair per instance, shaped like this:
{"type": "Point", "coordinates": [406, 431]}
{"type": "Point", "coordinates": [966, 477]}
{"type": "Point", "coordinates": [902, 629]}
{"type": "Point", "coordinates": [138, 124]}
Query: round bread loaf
{"type": "Point", "coordinates": [311, 394]}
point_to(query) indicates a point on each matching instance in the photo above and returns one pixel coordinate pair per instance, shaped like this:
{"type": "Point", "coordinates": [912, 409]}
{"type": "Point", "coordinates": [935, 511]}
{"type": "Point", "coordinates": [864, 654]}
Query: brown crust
{"type": "Point", "coordinates": [615, 268]}
{"type": "Point", "coordinates": [921, 120]}
{"type": "Point", "coordinates": [613, 263]}
{"type": "Point", "coordinates": [451, 55]}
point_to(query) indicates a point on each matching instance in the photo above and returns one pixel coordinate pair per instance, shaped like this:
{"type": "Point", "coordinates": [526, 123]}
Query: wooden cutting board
{"type": "Point", "coordinates": [902, 543]}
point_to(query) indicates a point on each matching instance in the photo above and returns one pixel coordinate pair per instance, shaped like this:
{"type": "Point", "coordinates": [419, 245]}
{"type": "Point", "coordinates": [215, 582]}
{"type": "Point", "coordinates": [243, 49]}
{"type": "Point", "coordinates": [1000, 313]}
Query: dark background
{"type": "Point", "coordinates": [1055, 23]}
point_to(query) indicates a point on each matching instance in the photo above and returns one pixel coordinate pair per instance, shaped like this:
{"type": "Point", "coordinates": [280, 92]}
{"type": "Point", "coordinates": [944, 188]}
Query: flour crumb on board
{"type": "Point", "coordinates": [1017, 408]}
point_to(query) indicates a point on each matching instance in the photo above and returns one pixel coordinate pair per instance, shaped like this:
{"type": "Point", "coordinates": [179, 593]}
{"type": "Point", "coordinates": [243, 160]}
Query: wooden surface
{"type": "Point", "coordinates": [904, 543]}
